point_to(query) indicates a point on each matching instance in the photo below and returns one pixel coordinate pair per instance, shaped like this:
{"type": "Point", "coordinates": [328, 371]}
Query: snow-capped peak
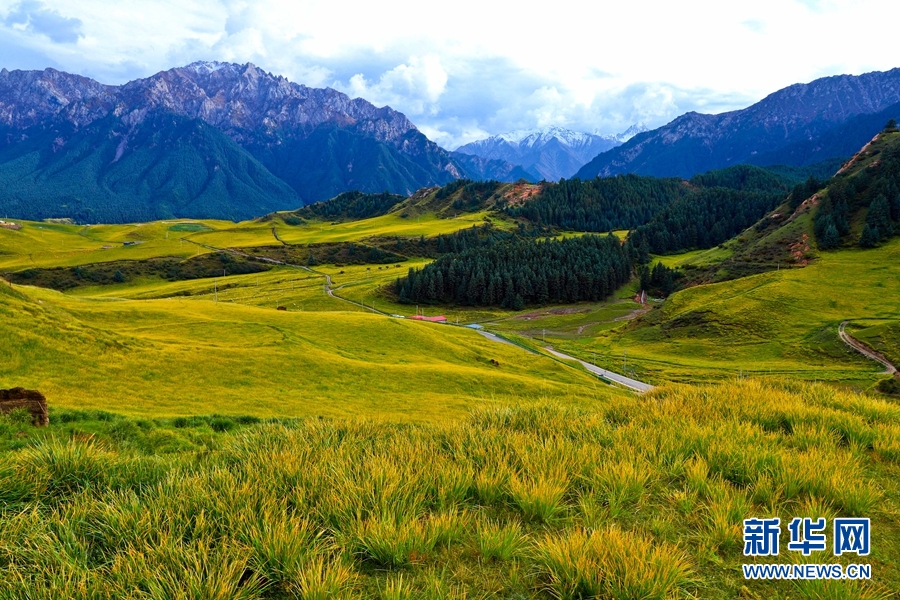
{"type": "Point", "coordinates": [625, 135]}
{"type": "Point", "coordinates": [631, 132]}
{"type": "Point", "coordinates": [529, 137]}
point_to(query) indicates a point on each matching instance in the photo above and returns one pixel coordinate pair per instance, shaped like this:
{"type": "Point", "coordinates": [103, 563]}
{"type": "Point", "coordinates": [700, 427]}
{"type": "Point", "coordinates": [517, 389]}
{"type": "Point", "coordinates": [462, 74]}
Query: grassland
{"type": "Point", "coordinates": [780, 323]}
{"type": "Point", "coordinates": [59, 245]}
{"type": "Point", "coordinates": [776, 323]}
{"type": "Point", "coordinates": [56, 245]}
{"type": "Point", "coordinates": [883, 336]}
{"type": "Point", "coordinates": [191, 356]}
{"type": "Point", "coordinates": [635, 498]}
{"type": "Point", "coordinates": [251, 232]}
{"type": "Point", "coordinates": [204, 444]}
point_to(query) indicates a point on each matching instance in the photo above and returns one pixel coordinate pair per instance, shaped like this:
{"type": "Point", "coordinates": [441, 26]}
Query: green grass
{"type": "Point", "coordinates": [883, 337]}
{"type": "Point", "coordinates": [52, 245]}
{"type": "Point", "coordinates": [184, 356]}
{"type": "Point", "coordinates": [252, 233]}
{"type": "Point", "coordinates": [776, 323]}
{"type": "Point", "coordinates": [634, 498]}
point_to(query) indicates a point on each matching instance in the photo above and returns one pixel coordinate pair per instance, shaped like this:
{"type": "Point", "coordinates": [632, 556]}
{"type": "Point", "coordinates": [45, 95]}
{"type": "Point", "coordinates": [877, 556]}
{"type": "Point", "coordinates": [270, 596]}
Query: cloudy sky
{"type": "Point", "coordinates": [467, 69]}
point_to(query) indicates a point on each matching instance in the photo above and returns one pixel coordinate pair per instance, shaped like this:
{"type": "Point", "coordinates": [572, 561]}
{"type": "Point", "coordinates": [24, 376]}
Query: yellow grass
{"type": "Point", "coordinates": [181, 356]}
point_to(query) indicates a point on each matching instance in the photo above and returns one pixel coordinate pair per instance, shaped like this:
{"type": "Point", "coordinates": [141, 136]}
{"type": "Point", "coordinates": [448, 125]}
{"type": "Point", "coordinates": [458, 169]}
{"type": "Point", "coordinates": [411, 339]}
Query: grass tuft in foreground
{"type": "Point", "coordinates": [637, 498]}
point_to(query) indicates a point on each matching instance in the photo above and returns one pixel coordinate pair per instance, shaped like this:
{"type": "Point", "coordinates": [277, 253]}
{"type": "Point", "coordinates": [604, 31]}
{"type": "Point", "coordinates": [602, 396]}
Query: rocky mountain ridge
{"type": "Point", "coordinates": [320, 142]}
{"type": "Point", "coordinates": [695, 143]}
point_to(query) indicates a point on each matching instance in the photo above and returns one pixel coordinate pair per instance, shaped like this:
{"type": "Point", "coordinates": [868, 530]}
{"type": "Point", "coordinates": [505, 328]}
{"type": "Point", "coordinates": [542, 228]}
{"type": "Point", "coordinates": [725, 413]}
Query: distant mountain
{"type": "Point", "coordinates": [797, 115]}
{"type": "Point", "coordinates": [843, 141]}
{"type": "Point", "coordinates": [107, 171]}
{"type": "Point", "coordinates": [287, 144]}
{"type": "Point", "coordinates": [550, 153]}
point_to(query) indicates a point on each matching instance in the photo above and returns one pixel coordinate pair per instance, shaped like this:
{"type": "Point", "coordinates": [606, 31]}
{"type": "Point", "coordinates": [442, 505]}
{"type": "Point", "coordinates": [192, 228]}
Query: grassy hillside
{"type": "Point", "coordinates": [61, 245]}
{"type": "Point", "coordinates": [883, 336]}
{"type": "Point", "coordinates": [182, 356]}
{"type": "Point", "coordinates": [636, 498]}
{"type": "Point", "coordinates": [781, 322]}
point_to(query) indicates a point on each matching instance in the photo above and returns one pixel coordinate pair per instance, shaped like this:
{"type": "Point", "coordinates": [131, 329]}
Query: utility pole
{"type": "Point", "coordinates": [625, 361]}
{"type": "Point", "coordinates": [216, 288]}
{"type": "Point", "coordinates": [544, 336]}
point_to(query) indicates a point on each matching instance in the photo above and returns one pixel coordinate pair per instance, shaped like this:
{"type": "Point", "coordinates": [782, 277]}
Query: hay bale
{"type": "Point", "coordinates": [31, 400]}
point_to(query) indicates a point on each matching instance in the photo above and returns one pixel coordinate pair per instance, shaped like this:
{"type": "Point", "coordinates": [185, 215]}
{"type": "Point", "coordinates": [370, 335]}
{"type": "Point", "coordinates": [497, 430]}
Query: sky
{"type": "Point", "coordinates": [466, 70]}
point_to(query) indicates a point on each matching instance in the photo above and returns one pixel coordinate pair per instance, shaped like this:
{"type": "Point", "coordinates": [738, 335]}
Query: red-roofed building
{"type": "Point", "coordinates": [440, 319]}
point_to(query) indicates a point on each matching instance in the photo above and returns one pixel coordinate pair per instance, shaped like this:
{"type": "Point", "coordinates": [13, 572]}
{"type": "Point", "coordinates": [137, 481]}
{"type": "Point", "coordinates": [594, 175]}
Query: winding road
{"type": "Point", "coordinates": [889, 369]}
{"type": "Point", "coordinates": [634, 384]}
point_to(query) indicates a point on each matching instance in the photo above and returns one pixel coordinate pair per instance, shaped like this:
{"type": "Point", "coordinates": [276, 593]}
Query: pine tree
{"type": "Point", "coordinates": [830, 238]}
{"type": "Point", "coordinates": [879, 216]}
{"type": "Point", "coordinates": [869, 237]}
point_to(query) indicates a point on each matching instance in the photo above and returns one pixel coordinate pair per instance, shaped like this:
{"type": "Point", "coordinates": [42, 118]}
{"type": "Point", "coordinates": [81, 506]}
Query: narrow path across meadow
{"type": "Point", "coordinates": [889, 369]}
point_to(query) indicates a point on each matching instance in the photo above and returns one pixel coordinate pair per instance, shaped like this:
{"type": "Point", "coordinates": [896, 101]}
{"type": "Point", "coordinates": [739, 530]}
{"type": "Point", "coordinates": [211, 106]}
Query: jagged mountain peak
{"type": "Point", "coordinates": [530, 137]}
{"type": "Point", "coordinates": [209, 66]}
{"type": "Point", "coordinates": [274, 133]}
{"type": "Point", "coordinates": [632, 131]}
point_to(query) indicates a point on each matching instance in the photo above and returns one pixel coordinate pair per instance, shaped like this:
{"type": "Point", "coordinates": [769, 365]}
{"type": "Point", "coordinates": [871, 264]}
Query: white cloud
{"type": "Point", "coordinates": [480, 67]}
{"type": "Point", "coordinates": [416, 84]}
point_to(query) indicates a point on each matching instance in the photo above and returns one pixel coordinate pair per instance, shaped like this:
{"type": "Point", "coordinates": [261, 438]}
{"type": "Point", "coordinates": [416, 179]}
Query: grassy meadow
{"type": "Point", "coordinates": [59, 245]}
{"type": "Point", "coordinates": [632, 498]}
{"type": "Point", "coordinates": [780, 323]}
{"type": "Point", "coordinates": [206, 445]}
{"type": "Point", "coordinates": [177, 356]}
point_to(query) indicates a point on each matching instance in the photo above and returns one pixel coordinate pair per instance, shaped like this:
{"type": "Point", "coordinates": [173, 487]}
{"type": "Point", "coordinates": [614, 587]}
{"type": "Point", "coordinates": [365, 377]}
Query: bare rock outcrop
{"type": "Point", "coordinates": [32, 400]}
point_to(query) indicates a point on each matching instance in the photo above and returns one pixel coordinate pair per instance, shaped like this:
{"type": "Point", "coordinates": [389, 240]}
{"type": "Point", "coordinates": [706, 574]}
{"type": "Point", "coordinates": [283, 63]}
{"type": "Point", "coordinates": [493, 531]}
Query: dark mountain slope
{"type": "Point", "coordinates": [319, 141]}
{"type": "Point", "coordinates": [845, 140]}
{"type": "Point", "coordinates": [695, 143]}
{"type": "Point", "coordinates": [165, 166]}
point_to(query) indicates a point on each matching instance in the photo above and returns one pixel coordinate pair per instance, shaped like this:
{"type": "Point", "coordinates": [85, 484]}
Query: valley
{"type": "Point", "coordinates": [471, 389]}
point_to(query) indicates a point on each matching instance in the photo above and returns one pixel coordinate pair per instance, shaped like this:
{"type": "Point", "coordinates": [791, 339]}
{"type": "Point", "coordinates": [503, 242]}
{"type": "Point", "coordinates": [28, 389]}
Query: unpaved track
{"type": "Point", "coordinates": [889, 369]}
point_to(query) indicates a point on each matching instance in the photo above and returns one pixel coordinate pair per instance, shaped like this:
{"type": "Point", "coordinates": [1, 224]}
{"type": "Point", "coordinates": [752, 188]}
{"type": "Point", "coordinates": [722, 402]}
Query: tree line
{"type": "Point", "coordinates": [601, 204]}
{"type": "Point", "coordinates": [522, 271]}
{"type": "Point", "coordinates": [875, 189]}
{"type": "Point", "coordinates": [350, 205]}
{"type": "Point", "coordinates": [703, 219]}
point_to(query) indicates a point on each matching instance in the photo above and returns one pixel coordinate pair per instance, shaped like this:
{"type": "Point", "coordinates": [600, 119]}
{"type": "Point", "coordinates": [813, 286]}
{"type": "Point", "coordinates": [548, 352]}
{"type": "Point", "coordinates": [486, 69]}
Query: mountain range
{"type": "Point", "coordinates": [206, 140]}
{"type": "Point", "coordinates": [550, 153]}
{"type": "Point", "coordinates": [222, 140]}
{"type": "Point", "coordinates": [800, 124]}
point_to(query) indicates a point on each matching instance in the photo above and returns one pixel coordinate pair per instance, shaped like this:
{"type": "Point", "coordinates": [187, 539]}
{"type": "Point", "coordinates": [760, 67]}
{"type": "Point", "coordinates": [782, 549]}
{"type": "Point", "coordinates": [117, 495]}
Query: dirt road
{"type": "Point", "coordinates": [889, 369]}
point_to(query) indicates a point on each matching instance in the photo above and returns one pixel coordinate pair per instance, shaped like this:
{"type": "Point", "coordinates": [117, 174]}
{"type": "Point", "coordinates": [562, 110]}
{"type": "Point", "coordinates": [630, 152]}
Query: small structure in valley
{"type": "Point", "coordinates": [439, 319]}
{"type": "Point", "coordinates": [31, 400]}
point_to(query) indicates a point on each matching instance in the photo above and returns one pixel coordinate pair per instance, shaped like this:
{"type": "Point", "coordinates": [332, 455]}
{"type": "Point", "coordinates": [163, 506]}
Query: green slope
{"type": "Point", "coordinates": [182, 357]}
{"type": "Point", "coordinates": [167, 166]}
